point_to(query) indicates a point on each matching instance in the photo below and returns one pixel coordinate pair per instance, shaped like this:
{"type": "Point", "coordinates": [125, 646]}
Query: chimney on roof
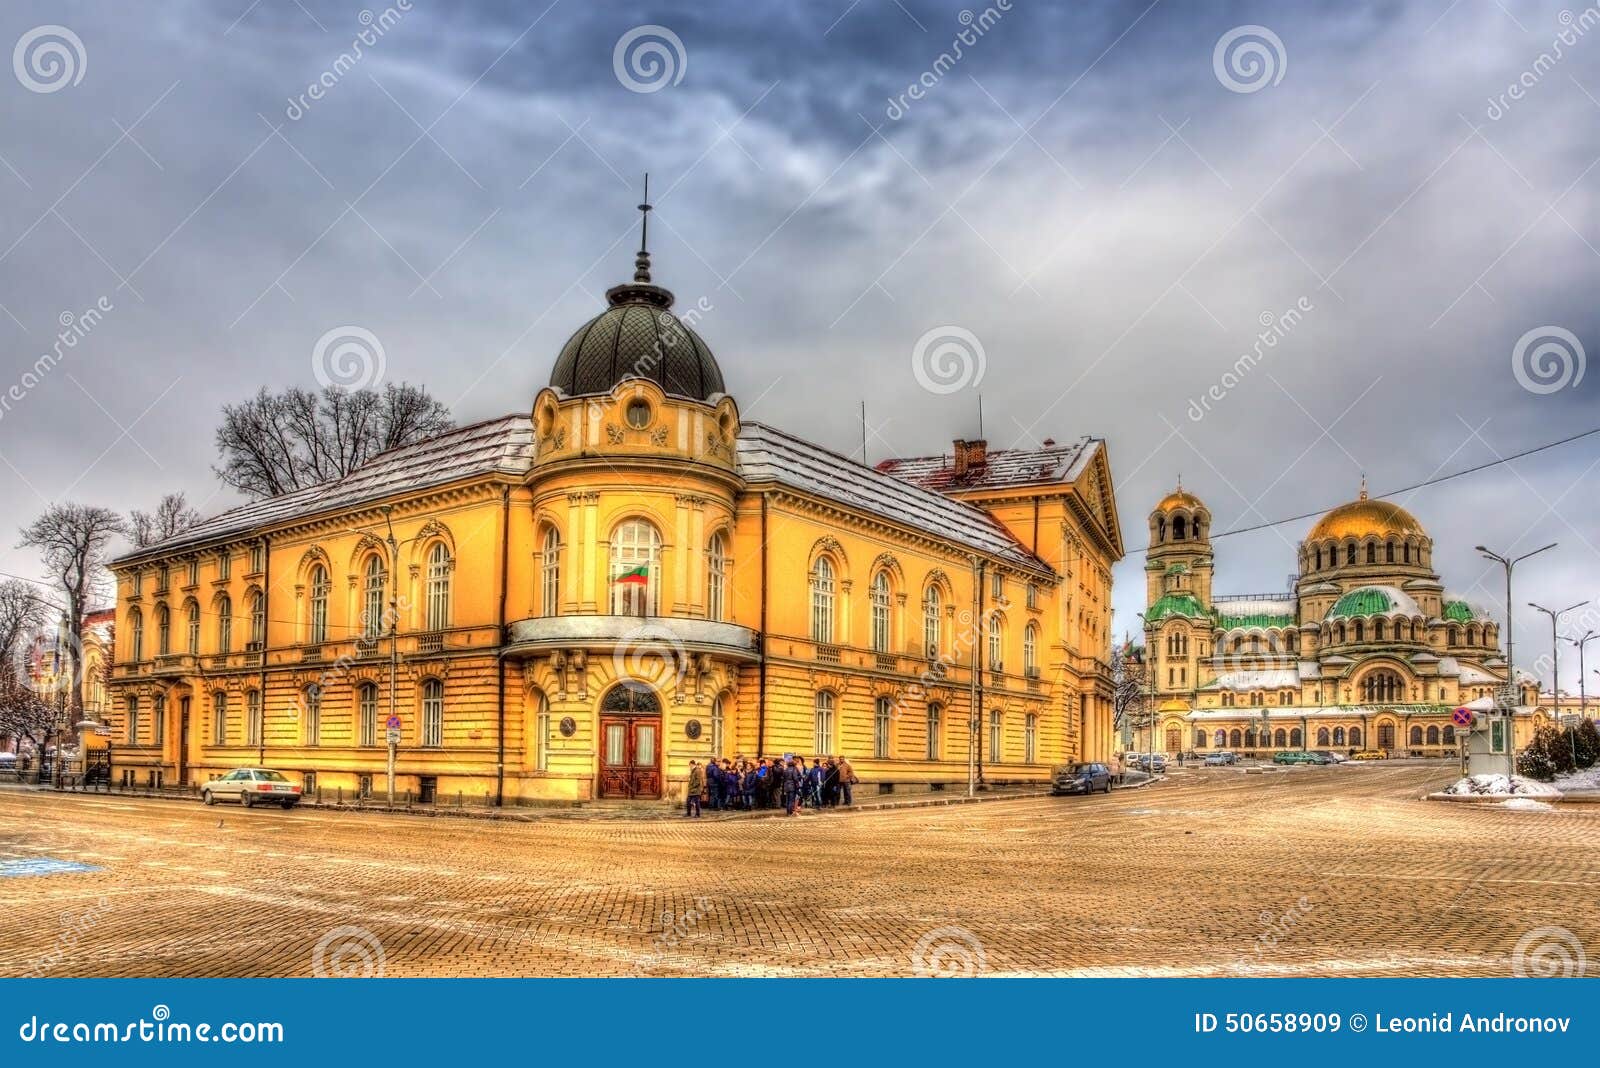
{"type": "Point", "coordinates": [970, 456]}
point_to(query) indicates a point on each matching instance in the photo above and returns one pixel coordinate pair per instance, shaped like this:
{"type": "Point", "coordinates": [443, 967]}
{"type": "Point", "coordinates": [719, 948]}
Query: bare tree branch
{"type": "Point", "coordinates": [172, 516]}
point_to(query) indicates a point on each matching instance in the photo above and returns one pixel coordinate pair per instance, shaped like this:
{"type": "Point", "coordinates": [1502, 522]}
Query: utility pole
{"type": "Point", "coordinates": [1583, 694]}
{"type": "Point", "coordinates": [1511, 664]}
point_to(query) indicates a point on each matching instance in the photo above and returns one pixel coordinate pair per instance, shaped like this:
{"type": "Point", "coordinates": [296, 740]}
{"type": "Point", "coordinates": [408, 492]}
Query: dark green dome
{"type": "Point", "coordinates": [637, 337]}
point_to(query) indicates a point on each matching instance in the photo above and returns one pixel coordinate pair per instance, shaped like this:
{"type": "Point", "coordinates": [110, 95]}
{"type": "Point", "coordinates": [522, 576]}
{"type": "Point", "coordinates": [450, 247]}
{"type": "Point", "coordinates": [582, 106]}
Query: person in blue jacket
{"type": "Point", "coordinates": [814, 784]}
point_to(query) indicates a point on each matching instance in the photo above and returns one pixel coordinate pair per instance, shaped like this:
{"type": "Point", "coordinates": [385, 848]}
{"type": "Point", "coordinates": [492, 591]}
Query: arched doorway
{"type": "Point", "coordinates": [630, 742]}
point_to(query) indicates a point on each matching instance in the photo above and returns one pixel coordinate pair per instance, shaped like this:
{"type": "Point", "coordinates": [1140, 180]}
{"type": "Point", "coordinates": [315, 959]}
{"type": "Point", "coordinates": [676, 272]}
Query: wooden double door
{"type": "Point", "coordinates": [630, 743]}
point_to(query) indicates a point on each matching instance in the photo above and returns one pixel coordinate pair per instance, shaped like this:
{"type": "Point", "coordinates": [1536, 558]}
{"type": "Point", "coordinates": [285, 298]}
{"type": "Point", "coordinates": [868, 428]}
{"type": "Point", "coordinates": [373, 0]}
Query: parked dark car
{"type": "Point", "coordinates": [1080, 779]}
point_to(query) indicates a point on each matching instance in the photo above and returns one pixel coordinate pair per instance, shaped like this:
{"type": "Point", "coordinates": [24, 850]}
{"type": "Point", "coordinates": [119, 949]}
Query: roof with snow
{"type": "Point", "coordinates": [1374, 601]}
{"type": "Point", "coordinates": [1001, 468]}
{"type": "Point", "coordinates": [1247, 612]}
{"type": "Point", "coordinates": [768, 455]}
{"type": "Point", "coordinates": [503, 446]}
{"type": "Point", "coordinates": [1267, 679]}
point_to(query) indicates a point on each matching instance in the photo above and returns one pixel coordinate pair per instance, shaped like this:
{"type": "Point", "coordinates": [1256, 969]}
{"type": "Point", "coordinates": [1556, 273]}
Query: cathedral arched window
{"type": "Point", "coordinates": [1361, 631]}
{"type": "Point", "coordinates": [1322, 736]}
{"type": "Point", "coordinates": [1377, 630]}
{"type": "Point", "coordinates": [1221, 738]}
{"type": "Point", "coordinates": [319, 604]}
{"type": "Point", "coordinates": [932, 604]}
{"type": "Point", "coordinates": [1416, 736]}
{"type": "Point", "coordinates": [1372, 552]}
{"type": "Point", "coordinates": [1433, 735]}
{"type": "Point", "coordinates": [822, 594]}
{"type": "Point", "coordinates": [1178, 528]}
{"type": "Point", "coordinates": [1234, 738]}
{"type": "Point", "coordinates": [438, 588]}
{"type": "Point", "coordinates": [1338, 736]}
{"type": "Point", "coordinates": [1350, 553]}
{"type": "Point", "coordinates": [878, 597]}
{"type": "Point", "coordinates": [374, 580]}
{"type": "Point", "coordinates": [1382, 686]}
{"type": "Point", "coordinates": [1453, 635]}
{"type": "Point", "coordinates": [1388, 552]}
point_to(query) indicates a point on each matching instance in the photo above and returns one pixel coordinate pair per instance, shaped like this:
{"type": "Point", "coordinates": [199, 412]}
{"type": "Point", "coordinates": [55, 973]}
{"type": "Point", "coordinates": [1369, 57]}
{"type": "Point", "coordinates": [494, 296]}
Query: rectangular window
{"type": "Point", "coordinates": [542, 740]}
{"type": "Point", "coordinates": [997, 587]}
{"type": "Point", "coordinates": [1033, 596]}
{"type": "Point", "coordinates": [224, 565]}
{"type": "Point", "coordinates": [133, 721]}
{"type": "Point", "coordinates": [995, 737]}
{"type": "Point", "coordinates": [138, 583]}
{"type": "Point", "coordinates": [935, 729]}
{"type": "Point", "coordinates": [258, 558]}
{"type": "Point", "coordinates": [1030, 739]}
{"type": "Point", "coordinates": [219, 718]}
{"type": "Point", "coordinates": [311, 707]}
{"type": "Point", "coordinates": [369, 714]}
{"type": "Point", "coordinates": [880, 728]}
{"type": "Point", "coordinates": [194, 571]}
{"type": "Point", "coordinates": [433, 713]}
{"type": "Point", "coordinates": [162, 574]}
{"type": "Point", "coordinates": [252, 717]}
{"type": "Point", "coordinates": [158, 725]}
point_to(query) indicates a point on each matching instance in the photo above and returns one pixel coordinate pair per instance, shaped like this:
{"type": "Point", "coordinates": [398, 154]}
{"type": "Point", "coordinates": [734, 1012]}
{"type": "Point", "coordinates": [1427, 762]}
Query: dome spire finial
{"type": "Point", "coordinates": [1180, 481]}
{"type": "Point", "coordinates": [1363, 485]}
{"type": "Point", "coordinates": [641, 263]}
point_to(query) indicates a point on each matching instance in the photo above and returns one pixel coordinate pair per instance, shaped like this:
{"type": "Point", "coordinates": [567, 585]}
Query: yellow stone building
{"type": "Point", "coordinates": [1366, 650]}
{"type": "Point", "coordinates": [575, 602]}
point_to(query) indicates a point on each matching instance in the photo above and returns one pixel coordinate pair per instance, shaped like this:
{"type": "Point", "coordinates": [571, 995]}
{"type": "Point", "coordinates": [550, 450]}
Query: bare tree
{"type": "Point", "coordinates": [22, 613]}
{"type": "Point", "coordinates": [1130, 681]}
{"type": "Point", "coordinates": [172, 517]}
{"type": "Point", "coordinates": [74, 538]}
{"type": "Point", "coordinates": [275, 443]}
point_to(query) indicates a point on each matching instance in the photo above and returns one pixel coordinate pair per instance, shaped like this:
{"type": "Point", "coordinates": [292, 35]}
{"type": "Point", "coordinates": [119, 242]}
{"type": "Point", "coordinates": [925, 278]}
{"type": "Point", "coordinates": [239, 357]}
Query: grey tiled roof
{"type": "Point", "coordinates": [503, 445]}
{"type": "Point", "coordinates": [767, 455]}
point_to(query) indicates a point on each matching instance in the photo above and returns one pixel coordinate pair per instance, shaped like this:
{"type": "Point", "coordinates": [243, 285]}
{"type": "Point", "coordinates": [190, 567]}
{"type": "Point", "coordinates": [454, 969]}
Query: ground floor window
{"type": "Point", "coordinates": [1294, 738]}
{"type": "Point", "coordinates": [1030, 739]}
{"type": "Point", "coordinates": [1355, 735]}
{"type": "Point", "coordinates": [252, 717]}
{"type": "Point", "coordinates": [1338, 736]}
{"type": "Point", "coordinates": [717, 727]}
{"type": "Point", "coordinates": [1322, 736]}
{"type": "Point", "coordinates": [433, 713]}
{"type": "Point", "coordinates": [823, 736]}
{"type": "Point", "coordinates": [367, 700]}
{"type": "Point", "coordinates": [935, 722]}
{"type": "Point", "coordinates": [1199, 737]}
{"type": "Point", "coordinates": [881, 718]}
{"type": "Point", "coordinates": [542, 735]}
{"type": "Point", "coordinates": [995, 735]}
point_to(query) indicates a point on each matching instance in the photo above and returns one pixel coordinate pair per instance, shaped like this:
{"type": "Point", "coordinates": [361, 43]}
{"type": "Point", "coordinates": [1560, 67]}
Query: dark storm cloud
{"type": "Point", "coordinates": [1079, 190]}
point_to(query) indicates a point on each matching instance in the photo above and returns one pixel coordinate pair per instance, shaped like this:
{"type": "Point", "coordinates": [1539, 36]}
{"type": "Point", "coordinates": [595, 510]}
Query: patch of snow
{"type": "Point", "coordinates": [1502, 786]}
{"type": "Point", "coordinates": [1527, 804]}
{"type": "Point", "coordinates": [1587, 779]}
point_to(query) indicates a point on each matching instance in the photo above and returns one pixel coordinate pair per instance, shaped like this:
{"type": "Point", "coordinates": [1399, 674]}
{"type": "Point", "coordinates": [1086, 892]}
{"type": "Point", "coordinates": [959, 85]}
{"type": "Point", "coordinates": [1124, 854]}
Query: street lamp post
{"type": "Point", "coordinates": [1150, 697]}
{"type": "Point", "coordinates": [1583, 694]}
{"type": "Point", "coordinates": [1511, 664]}
{"type": "Point", "coordinates": [1555, 664]}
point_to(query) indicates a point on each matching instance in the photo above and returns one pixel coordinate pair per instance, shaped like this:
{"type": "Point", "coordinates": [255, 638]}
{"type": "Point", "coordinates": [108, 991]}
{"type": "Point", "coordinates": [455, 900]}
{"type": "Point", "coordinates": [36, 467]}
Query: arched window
{"type": "Point", "coordinates": [635, 560]}
{"type": "Point", "coordinates": [935, 731]}
{"type": "Point", "coordinates": [133, 721]}
{"type": "Point", "coordinates": [1221, 738]}
{"type": "Point", "coordinates": [996, 735]}
{"type": "Point", "coordinates": [1449, 735]}
{"type": "Point", "coordinates": [367, 710]}
{"type": "Point", "coordinates": [372, 621]}
{"type": "Point", "coordinates": [878, 595]}
{"type": "Point", "coordinates": [1030, 739]}
{"type": "Point", "coordinates": [1281, 738]}
{"type": "Point", "coordinates": [1294, 738]}
{"type": "Point", "coordinates": [258, 620]}
{"type": "Point", "coordinates": [823, 737]}
{"type": "Point", "coordinates": [1453, 635]}
{"type": "Point", "coordinates": [1377, 629]}
{"type": "Point", "coordinates": [219, 718]}
{"type": "Point", "coordinates": [1338, 736]}
{"type": "Point", "coordinates": [550, 573]}
{"type": "Point", "coordinates": [1405, 553]}
{"type": "Point", "coordinates": [882, 717]}
{"type": "Point", "coordinates": [192, 642]}
{"type": "Point", "coordinates": [1372, 552]}
{"type": "Point", "coordinates": [1416, 736]}
{"type": "Point", "coordinates": [319, 604]}
{"type": "Point", "coordinates": [136, 636]}
{"type": "Point", "coordinates": [1355, 735]}
{"type": "Point", "coordinates": [1433, 735]}
{"type": "Point", "coordinates": [1235, 738]}
{"type": "Point", "coordinates": [438, 586]}
{"type": "Point", "coordinates": [1178, 528]}
{"type": "Point", "coordinates": [718, 728]}
{"type": "Point", "coordinates": [1382, 686]}
{"type": "Point", "coordinates": [1030, 653]}
{"type": "Point", "coordinates": [1361, 631]}
{"type": "Point", "coordinates": [716, 580]}
{"type": "Point", "coordinates": [1322, 736]}
{"type": "Point", "coordinates": [822, 604]}
{"type": "Point", "coordinates": [163, 630]}
{"type": "Point", "coordinates": [224, 624]}
{"type": "Point", "coordinates": [542, 733]}
{"type": "Point", "coordinates": [432, 713]}
{"type": "Point", "coordinates": [1350, 553]}
{"type": "Point", "coordinates": [931, 606]}
{"type": "Point", "coordinates": [311, 712]}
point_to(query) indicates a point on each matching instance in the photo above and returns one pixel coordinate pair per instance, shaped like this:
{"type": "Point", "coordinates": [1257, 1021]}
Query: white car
{"type": "Point", "coordinates": [252, 786]}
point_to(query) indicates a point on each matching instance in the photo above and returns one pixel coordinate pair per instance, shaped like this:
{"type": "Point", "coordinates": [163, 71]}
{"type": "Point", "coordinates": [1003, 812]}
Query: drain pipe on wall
{"type": "Point", "coordinates": [500, 660]}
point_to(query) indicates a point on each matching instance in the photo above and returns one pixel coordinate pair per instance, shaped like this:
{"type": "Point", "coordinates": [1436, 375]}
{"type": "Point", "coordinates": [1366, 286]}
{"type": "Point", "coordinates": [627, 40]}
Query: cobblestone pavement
{"type": "Point", "coordinates": [1338, 870]}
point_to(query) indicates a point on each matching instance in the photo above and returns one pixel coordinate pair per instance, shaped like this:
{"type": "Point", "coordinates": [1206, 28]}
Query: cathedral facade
{"type": "Point", "coordinates": [575, 601]}
{"type": "Point", "coordinates": [1367, 649]}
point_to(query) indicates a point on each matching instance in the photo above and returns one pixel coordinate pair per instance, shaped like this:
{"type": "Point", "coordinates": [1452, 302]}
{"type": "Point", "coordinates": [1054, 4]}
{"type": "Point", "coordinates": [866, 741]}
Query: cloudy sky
{"type": "Point", "coordinates": [1103, 199]}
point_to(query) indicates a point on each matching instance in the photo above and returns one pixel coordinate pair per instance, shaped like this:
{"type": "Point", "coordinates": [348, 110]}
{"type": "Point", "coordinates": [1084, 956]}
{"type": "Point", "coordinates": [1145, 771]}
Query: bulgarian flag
{"type": "Point", "coordinates": [639, 575]}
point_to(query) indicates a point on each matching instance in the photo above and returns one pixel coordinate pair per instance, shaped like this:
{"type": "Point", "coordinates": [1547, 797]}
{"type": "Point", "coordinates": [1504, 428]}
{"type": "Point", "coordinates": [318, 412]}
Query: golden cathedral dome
{"type": "Point", "coordinates": [1364, 517]}
{"type": "Point", "coordinates": [1180, 498]}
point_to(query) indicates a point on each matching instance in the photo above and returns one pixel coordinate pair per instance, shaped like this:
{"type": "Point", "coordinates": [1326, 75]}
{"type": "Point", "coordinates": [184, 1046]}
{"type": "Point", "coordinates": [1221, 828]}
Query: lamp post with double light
{"type": "Point", "coordinates": [1509, 696]}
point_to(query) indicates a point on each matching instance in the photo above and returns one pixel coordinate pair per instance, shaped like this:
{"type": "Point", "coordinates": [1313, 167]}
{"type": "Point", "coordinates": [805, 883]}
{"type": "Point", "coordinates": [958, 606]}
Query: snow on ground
{"type": "Point", "coordinates": [1526, 804]}
{"type": "Point", "coordinates": [1587, 779]}
{"type": "Point", "coordinates": [1502, 786]}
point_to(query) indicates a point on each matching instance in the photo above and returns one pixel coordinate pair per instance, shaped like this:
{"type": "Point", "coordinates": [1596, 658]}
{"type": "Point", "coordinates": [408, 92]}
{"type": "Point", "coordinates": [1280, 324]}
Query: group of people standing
{"type": "Point", "coordinates": [786, 781]}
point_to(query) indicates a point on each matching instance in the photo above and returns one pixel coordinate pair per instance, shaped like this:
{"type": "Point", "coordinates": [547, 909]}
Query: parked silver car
{"type": "Point", "coordinates": [252, 786]}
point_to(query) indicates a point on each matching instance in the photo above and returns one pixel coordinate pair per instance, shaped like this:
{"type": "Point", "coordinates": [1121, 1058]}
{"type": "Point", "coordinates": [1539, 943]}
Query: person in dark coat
{"type": "Point", "coordinates": [691, 796]}
{"type": "Point", "coordinates": [747, 788]}
{"type": "Point", "coordinates": [713, 784]}
{"type": "Point", "coordinates": [830, 784]}
{"type": "Point", "coordinates": [814, 784]}
{"type": "Point", "coordinates": [793, 782]}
